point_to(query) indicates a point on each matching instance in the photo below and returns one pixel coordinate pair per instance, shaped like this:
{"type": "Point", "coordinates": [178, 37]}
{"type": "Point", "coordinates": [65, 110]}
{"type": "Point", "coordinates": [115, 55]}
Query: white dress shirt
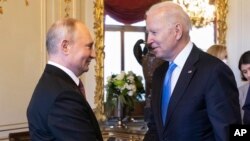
{"type": "Point", "coordinates": [66, 70]}
{"type": "Point", "coordinates": [180, 60]}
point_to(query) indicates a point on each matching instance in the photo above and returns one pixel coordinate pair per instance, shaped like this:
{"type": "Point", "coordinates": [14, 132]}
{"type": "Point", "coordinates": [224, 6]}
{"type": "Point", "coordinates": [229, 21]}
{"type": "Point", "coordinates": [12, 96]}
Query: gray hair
{"type": "Point", "coordinates": [174, 13]}
{"type": "Point", "coordinates": [60, 30]}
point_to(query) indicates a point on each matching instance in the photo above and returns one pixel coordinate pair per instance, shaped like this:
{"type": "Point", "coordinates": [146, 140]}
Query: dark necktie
{"type": "Point", "coordinates": [81, 87]}
{"type": "Point", "coordinates": [167, 91]}
{"type": "Point", "coordinates": [246, 108]}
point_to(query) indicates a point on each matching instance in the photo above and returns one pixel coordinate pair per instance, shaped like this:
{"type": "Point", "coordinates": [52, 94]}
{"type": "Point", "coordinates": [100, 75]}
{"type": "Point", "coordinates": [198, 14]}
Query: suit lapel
{"type": "Point", "coordinates": [60, 73]}
{"type": "Point", "coordinates": [184, 79]}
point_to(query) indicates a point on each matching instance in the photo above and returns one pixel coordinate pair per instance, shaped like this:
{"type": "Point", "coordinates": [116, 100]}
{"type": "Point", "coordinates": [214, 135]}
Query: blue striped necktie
{"type": "Point", "coordinates": [166, 93]}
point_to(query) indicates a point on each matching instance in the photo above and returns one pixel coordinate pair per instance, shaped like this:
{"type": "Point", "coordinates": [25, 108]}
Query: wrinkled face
{"type": "Point", "coordinates": [245, 69]}
{"type": "Point", "coordinates": [81, 51]}
{"type": "Point", "coordinates": [161, 36]}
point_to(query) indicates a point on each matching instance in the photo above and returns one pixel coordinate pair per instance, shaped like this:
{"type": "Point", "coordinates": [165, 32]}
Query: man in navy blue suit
{"type": "Point", "coordinates": [203, 93]}
{"type": "Point", "coordinates": [58, 110]}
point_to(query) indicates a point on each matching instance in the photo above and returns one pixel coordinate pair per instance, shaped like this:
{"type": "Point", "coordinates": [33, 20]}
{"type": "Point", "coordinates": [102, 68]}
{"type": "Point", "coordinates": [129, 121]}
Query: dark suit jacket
{"type": "Point", "coordinates": [246, 108]}
{"type": "Point", "coordinates": [203, 104]}
{"type": "Point", "coordinates": [59, 112]}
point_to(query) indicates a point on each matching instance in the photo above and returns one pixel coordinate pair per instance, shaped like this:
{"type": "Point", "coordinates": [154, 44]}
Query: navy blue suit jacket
{"type": "Point", "coordinates": [59, 112]}
{"type": "Point", "coordinates": [203, 104]}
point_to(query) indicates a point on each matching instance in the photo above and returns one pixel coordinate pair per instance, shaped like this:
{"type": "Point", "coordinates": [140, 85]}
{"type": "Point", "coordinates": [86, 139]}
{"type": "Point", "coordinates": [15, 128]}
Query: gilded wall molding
{"type": "Point", "coordinates": [99, 47]}
{"type": "Point", "coordinates": [67, 8]}
{"type": "Point", "coordinates": [2, 1]}
{"type": "Point", "coordinates": [221, 24]}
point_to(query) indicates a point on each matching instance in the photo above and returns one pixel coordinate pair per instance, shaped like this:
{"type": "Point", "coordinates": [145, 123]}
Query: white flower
{"type": "Point", "coordinates": [120, 76]}
{"type": "Point", "coordinates": [130, 93]}
{"type": "Point", "coordinates": [133, 88]}
{"type": "Point", "coordinates": [109, 78]}
{"type": "Point", "coordinates": [130, 73]}
{"type": "Point", "coordinates": [131, 78]}
{"type": "Point", "coordinates": [127, 85]}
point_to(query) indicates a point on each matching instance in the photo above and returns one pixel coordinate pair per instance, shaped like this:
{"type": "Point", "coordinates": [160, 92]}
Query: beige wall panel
{"type": "Point", "coordinates": [238, 39]}
{"type": "Point", "coordinates": [87, 16]}
{"type": "Point", "coordinates": [22, 59]}
{"type": "Point", "coordinates": [23, 54]}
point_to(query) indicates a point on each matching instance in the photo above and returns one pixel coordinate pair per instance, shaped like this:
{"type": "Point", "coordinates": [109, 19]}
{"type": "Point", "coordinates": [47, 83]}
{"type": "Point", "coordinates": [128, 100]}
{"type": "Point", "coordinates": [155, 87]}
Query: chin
{"type": "Point", "coordinates": [158, 56]}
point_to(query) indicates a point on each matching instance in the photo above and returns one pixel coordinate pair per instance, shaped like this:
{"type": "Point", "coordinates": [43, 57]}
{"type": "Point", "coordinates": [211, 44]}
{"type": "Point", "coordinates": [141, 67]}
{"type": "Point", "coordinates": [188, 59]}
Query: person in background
{"type": "Point", "coordinates": [219, 51]}
{"type": "Point", "coordinates": [244, 90]}
{"type": "Point", "coordinates": [58, 109]}
{"type": "Point", "coordinates": [194, 95]}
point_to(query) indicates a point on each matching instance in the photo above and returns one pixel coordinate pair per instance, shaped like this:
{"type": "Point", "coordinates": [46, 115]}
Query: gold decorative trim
{"type": "Point", "coordinates": [99, 47]}
{"type": "Point", "coordinates": [67, 8]}
{"type": "Point", "coordinates": [27, 2]}
{"type": "Point", "coordinates": [221, 25]}
{"type": "Point", "coordinates": [1, 8]}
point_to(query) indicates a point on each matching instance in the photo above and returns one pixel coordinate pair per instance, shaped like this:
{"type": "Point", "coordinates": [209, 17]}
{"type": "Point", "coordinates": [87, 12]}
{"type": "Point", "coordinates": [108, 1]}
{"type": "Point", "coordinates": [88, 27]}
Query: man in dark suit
{"type": "Point", "coordinates": [203, 92]}
{"type": "Point", "coordinates": [58, 109]}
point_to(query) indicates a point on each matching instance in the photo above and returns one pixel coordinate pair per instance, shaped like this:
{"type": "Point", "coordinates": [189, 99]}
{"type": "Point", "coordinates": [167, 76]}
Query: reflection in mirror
{"type": "Point", "coordinates": [219, 37]}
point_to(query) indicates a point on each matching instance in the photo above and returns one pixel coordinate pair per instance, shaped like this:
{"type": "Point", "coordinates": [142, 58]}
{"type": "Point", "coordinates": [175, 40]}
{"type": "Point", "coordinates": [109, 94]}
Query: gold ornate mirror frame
{"type": "Point", "coordinates": [221, 29]}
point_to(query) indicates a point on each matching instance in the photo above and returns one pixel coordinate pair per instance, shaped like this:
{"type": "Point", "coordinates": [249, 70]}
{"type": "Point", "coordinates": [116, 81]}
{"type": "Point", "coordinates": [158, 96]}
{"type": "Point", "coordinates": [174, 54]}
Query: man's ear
{"type": "Point", "coordinates": [65, 46]}
{"type": "Point", "coordinates": [178, 31]}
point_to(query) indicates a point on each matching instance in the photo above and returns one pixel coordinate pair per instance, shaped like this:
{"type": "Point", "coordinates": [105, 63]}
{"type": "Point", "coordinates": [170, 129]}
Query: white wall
{"type": "Point", "coordinates": [23, 54]}
{"type": "Point", "coordinates": [22, 58]}
{"type": "Point", "coordinates": [238, 39]}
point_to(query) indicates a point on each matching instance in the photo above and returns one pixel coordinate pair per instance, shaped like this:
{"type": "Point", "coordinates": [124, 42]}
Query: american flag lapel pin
{"type": "Point", "coordinates": [190, 71]}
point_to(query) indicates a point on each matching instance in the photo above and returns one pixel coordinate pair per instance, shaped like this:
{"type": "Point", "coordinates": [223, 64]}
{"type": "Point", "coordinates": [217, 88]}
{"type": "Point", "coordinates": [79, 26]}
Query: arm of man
{"type": "Point", "coordinates": [222, 101]}
{"type": "Point", "coordinates": [151, 134]}
{"type": "Point", "coordinates": [70, 118]}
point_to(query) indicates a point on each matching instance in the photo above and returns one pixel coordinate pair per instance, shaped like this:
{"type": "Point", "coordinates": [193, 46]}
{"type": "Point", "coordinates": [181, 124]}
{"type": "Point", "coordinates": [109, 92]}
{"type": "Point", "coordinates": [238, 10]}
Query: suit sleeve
{"type": "Point", "coordinates": [151, 134]}
{"type": "Point", "coordinates": [69, 118]}
{"type": "Point", "coordinates": [222, 101]}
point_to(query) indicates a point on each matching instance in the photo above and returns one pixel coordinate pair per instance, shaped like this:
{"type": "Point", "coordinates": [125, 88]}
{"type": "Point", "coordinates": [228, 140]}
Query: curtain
{"type": "Point", "coordinates": [127, 11]}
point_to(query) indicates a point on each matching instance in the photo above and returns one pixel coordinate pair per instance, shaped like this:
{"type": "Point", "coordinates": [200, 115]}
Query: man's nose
{"type": "Point", "coordinates": [149, 39]}
{"type": "Point", "coordinates": [93, 55]}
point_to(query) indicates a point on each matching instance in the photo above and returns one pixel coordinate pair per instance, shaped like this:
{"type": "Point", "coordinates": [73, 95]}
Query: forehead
{"type": "Point", "coordinates": [158, 14]}
{"type": "Point", "coordinates": [83, 33]}
{"type": "Point", "coordinates": [245, 66]}
{"type": "Point", "coordinates": [155, 20]}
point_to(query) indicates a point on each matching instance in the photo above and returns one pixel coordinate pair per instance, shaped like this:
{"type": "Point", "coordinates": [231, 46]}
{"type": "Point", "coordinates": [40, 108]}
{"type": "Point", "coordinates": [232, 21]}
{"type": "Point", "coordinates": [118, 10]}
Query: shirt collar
{"type": "Point", "coordinates": [66, 70]}
{"type": "Point", "coordinates": [183, 55]}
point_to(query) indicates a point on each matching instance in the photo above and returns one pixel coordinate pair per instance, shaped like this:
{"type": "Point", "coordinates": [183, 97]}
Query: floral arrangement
{"type": "Point", "coordinates": [126, 86]}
